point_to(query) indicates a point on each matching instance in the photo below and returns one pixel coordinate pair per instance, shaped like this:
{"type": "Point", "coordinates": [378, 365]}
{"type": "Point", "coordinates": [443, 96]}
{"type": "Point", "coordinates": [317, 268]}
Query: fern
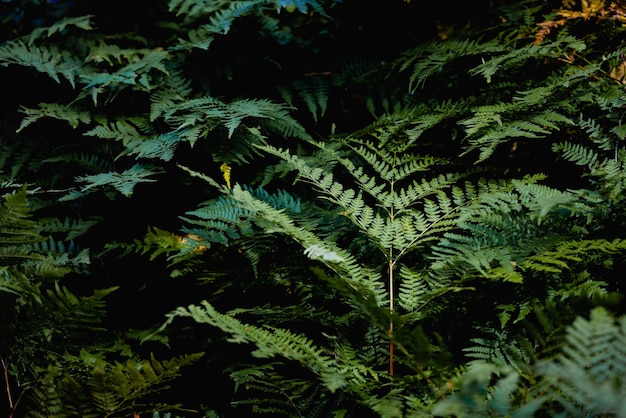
{"type": "Point", "coordinates": [577, 153]}
{"type": "Point", "coordinates": [81, 22]}
{"type": "Point", "coordinates": [583, 378]}
{"type": "Point", "coordinates": [138, 142]}
{"type": "Point", "coordinates": [273, 397]}
{"type": "Point", "coordinates": [173, 90]}
{"type": "Point", "coordinates": [270, 343]}
{"type": "Point", "coordinates": [17, 227]}
{"type": "Point", "coordinates": [587, 375]}
{"type": "Point", "coordinates": [212, 111]}
{"type": "Point", "coordinates": [437, 55]}
{"type": "Point", "coordinates": [139, 72]}
{"type": "Point", "coordinates": [111, 388]}
{"type": "Point", "coordinates": [313, 91]}
{"type": "Point", "coordinates": [426, 208]}
{"type": "Point", "coordinates": [525, 249]}
{"type": "Point", "coordinates": [487, 128]}
{"type": "Point", "coordinates": [222, 14]}
{"type": "Point", "coordinates": [71, 115]}
{"type": "Point", "coordinates": [45, 59]}
{"type": "Point", "coordinates": [42, 319]}
{"type": "Point", "coordinates": [479, 397]}
{"type": "Point", "coordinates": [123, 182]}
{"type": "Point", "coordinates": [93, 163]}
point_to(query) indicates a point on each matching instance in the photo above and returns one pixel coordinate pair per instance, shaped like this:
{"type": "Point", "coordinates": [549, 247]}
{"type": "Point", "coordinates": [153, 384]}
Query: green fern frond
{"type": "Point", "coordinates": [123, 130]}
{"type": "Point", "coordinates": [362, 279]}
{"type": "Point", "coordinates": [583, 285]}
{"type": "Point", "coordinates": [200, 38]}
{"type": "Point", "coordinates": [15, 158]}
{"type": "Point", "coordinates": [271, 342]}
{"type": "Point", "coordinates": [110, 389]}
{"type": "Point", "coordinates": [139, 73]}
{"type": "Point", "coordinates": [493, 135]}
{"type": "Point", "coordinates": [480, 396]}
{"type": "Point", "coordinates": [567, 252]}
{"type": "Point", "coordinates": [47, 397]}
{"type": "Point", "coordinates": [394, 166]}
{"type": "Point", "coordinates": [160, 146]}
{"type": "Point", "coordinates": [75, 314]}
{"type": "Point", "coordinates": [212, 112]}
{"type": "Point", "coordinates": [72, 115]}
{"type": "Point", "coordinates": [45, 59]}
{"type": "Point", "coordinates": [118, 388]}
{"type": "Point", "coordinates": [587, 376]}
{"type": "Point", "coordinates": [22, 244]}
{"type": "Point", "coordinates": [221, 14]}
{"type": "Point", "coordinates": [270, 393]}
{"type": "Point", "coordinates": [173, 90]}
{"type": "Point", "coordinates": [423, 117]}
{"type": "Point", "coordinates": [596, 132]}
{"type": "Point", "coordinates": [426, 62]}
{"type": "Point", "coordinates": [17, 227]}
{"type": "Point", "coordinates": [157, 242]}
{"type": "Point", "coordinates": [501, 350]}
{"type": "Point", "coordinates": [313, 91]}
{"type": "Point", "coordinates": [418, 289]}
{"type": "Point", "coordinates": [577, 153]}
{"type": "Point", "coordinates": [500, 234]}
{"type": "Point", "coordinates": [89, 162]}
{"type": "Point", "coordinates": [81, 22]}
{"type": "Point", "coordinates": [59, 248]}
{"type": "Point", "coordinates": [123, 182]}
{"type": "Point", "coordinates": [302, 6]}
{"type": "Point", "coordinates": [347, 199]}
{"type": "Point", "coordinates": [397, 233]}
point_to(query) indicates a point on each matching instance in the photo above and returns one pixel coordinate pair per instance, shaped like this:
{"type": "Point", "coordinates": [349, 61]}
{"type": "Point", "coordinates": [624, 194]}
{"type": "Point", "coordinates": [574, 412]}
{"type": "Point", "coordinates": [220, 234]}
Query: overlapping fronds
{"type": "Point", "coordinates": [210, 112]}
{"type": "Point", "coordinates": [272, 342]}
{"type": "Point", "coordinates": [110, 388]}
{"type": "Point", "coordinates": [588, 373]}
{"type": "Point", "coordinates": [49, 60]}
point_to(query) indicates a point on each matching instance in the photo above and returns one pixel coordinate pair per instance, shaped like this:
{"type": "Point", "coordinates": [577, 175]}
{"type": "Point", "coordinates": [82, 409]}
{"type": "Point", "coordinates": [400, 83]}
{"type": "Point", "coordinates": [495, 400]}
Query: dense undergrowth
{"type": "Point", "coordinates": [312, 208]}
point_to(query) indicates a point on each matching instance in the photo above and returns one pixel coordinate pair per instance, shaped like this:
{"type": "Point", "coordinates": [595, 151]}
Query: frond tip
{"type": "Point", "coordinates": [226, 170]}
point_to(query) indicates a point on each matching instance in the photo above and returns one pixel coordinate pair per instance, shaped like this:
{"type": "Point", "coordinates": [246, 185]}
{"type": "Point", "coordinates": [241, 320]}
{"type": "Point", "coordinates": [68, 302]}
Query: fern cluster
{"type": "Point", "coordinates": [418, 233]}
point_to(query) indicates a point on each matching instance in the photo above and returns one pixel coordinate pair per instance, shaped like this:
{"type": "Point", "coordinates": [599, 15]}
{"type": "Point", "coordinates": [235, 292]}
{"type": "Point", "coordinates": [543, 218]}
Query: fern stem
{"type": "Point", "coordinates": [390, 313]}
{"type": "Point", "coordinates": [391, 294]}
{"type": "Point", "coordinates": [291, 402]}
{"type": "Point", "coordinates": [8, 387]}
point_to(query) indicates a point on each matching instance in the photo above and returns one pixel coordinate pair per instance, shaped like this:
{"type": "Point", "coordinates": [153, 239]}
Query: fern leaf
{"type": "Point", "coordinates": [81, 22]}
{"type": "Point", "coordinates": [588, 373]}
{"type": "Point", "coordinates": [272, 342]}
{"type": "Point", "coordinates": [123, 182]}
{"type": "Point", "coordinates": [73, 116]}
{"type": "Point", "coordinates": [313, 91]}
{"type": "Point", "coordinates": [45, 59]}
{"type": "Point", "coordinates": [232, 115]}
{"type": "Point", "coordinates": [226, 170]}
{"type": "Point", "coordinates": [117, 388]}
{"type": "Point", "coordinates": [577, 153]}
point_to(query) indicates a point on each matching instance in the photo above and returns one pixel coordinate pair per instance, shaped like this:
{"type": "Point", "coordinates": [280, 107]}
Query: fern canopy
{"type": "Point", "coordinates": [430, 228]}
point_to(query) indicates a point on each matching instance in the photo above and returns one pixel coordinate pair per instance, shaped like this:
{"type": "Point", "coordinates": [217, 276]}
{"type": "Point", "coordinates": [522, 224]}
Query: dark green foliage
{"type": "Point", "coordinates": [349, 231]}
{"type": "Point", "coordinates": [53, 343]}
{"type": "Point", "coordinates": [583, 379]}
